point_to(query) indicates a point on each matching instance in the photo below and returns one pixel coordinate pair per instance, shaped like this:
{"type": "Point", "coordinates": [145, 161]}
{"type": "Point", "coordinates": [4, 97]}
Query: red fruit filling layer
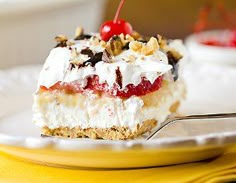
{"type": "Point", "coordinates": [144, 87]}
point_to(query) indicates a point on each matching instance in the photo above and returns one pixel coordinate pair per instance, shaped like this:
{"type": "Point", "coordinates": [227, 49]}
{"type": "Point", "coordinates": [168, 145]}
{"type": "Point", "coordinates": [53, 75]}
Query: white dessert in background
{"type": "Point", "coordinates": [202, 52]}
{"type": "Point", "coordinates": [117, 89]}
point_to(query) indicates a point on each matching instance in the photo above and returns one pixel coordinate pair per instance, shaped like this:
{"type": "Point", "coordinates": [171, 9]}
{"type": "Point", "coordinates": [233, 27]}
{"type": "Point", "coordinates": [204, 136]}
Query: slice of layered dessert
{"type": "Point", "coordinates": [115, 89]}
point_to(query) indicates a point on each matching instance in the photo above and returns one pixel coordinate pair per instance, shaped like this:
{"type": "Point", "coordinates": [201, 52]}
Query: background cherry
{"type": "Point", "coordinates": [116, 26]}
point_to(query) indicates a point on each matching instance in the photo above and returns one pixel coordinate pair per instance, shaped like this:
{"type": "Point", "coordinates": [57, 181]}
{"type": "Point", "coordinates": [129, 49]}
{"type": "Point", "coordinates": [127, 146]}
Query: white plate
{"type": "Point", "coordinates": [180, 143]}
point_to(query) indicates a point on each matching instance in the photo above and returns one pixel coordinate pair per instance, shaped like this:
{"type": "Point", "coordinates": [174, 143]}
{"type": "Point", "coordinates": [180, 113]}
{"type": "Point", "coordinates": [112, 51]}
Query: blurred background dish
{"type": "Point", "coordinates": [212, 47]}
{"type": "Point", "coordinates": [214, 39]}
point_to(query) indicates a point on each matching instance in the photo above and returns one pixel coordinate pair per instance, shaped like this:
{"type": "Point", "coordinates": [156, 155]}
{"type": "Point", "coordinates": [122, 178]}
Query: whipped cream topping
{"type": "Point", "coordinates": [57, 66]}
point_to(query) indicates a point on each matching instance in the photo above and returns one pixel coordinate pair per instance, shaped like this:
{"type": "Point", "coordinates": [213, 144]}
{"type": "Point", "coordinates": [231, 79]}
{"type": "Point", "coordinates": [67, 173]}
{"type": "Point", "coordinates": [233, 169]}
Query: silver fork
{"type": "Point", "coordinates": [174, 119]}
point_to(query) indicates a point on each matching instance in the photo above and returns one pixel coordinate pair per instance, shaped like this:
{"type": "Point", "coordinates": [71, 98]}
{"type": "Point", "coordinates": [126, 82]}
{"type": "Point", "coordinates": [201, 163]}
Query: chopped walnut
{"type": "Point", "coordinates": [135, 46]}
{"type": "Point", "coordinates": [103, 43]}
{"type": "Point", "coordinates": [153, 43]}
{"type": "Point", "coordinates": [76, 62]}
{"type": "Point", "coordinates": [146, 50]}
{"type": "Point", "coordinates": [115, 45]}
{"type": "Point", "coordinates": [136, 35]}
{"type": "Point", "coordinates": [129, 38]}
{"type": "Point", "coordinates": [151, 46]}
{"type": "Point", "coordinates": [94, 41]}
{"type": "Point", "coordinates": [79, 34]}
{"type": "Point", "coordinates": [61, 41]}
{"type": "Point", "coordinates": [161, 41]}
{"type": "Point", "coordinates": [132, 58]}
{"type": "Point", "coordinates": [74, 53]}
{"type": "Point", "coordinates": [69, 43]}
{"type": "Point", "coordinates": [79, 31]}
{"type": "Point", "coordinates": [75, 57]}
{"type": "Point", "coordinates": [123, 39]}
{"type": "Point", "coordinates": [61, 38]}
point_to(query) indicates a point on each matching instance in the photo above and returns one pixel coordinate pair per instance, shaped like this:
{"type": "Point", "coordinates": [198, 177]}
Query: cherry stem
{"type": "Point", "coordinates": [118, 10]}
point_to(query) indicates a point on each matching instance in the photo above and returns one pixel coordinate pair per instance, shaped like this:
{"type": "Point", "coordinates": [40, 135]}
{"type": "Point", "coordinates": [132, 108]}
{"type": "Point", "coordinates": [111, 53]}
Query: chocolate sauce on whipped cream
{"type": "Point", "coordinates": [88, 52]}
{"type": "Point", "coordinates": [82, 37]}
{"type": "Point", "coordinates": [119, 77]}
{"type": "Point", "coordinates": [97, 57]}
{"type": "Point", "coordinates": [174, 62]}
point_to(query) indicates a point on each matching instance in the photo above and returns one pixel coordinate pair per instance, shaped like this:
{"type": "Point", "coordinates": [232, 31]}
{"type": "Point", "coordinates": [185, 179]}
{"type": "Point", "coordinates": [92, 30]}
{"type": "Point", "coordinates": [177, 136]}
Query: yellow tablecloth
{"type": "Point", "coordinates": [221, 169]}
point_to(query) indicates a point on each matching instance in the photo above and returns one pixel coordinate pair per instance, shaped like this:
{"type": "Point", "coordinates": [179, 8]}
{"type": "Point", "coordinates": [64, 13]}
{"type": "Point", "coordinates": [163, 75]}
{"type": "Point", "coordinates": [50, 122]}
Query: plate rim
{"type": "Point", "coordinates": [213, 139]}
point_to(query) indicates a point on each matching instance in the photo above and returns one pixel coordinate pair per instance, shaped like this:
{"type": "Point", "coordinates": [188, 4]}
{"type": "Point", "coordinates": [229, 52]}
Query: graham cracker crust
{"type": "Point", "coordinates": [114, 133]}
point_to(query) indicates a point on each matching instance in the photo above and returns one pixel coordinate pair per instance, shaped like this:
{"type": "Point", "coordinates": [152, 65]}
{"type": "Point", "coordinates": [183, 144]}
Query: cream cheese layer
{"type": "Point", "coordinates": [63, 110]}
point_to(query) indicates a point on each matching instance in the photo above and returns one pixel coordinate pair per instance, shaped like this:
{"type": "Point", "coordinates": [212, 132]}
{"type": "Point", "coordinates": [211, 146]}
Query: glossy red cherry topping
{"type": "Point", "coordinates": [93, 84]}
{"type": "Point", "coordinates": [143, 88]}
{"type": "Point", "coordinates": [116, 26]}
{"type": "Point", "coordinates": [111, 28]}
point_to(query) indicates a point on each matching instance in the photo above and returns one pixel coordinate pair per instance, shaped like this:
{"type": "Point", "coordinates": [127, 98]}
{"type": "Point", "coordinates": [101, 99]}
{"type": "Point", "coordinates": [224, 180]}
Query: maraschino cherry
{"type": "Point", "coordinates": [116, 26]}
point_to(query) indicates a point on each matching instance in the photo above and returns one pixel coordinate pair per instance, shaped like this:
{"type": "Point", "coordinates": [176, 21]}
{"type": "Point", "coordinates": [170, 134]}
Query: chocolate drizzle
{"type": "Point", "coordinates": [88, 52]}
{"type": "Point", "coordinates": [126, 46]}
{"type": "Point", "coordinates": [61, 44]}
{"type": "Point", "coordinates": [42, 135]}
{"type": "Point", "coordinates": [93, 60]}
{"type": "Point", "coordinates": [97, 57]}
{"type": "Point", "coordinates": [142, 41]}
{"type": "Point", "coordinates": [83, 36]}
{"type": "Point", "coordinates": [174, 62]}
{"type": "Point", "coordinates": [71, 66]}
{"type": "Point", "coordinates": [61, 41]}
{"type": "Point", "coordinates": [118, 77]}
{"type": "Point", "coordinates": [106, 57]}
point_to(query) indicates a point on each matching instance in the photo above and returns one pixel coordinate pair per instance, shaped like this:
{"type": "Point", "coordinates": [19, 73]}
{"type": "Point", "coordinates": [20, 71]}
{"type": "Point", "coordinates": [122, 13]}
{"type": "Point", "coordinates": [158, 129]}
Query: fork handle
{"type": "Point", "coordinates": [197, 116]}
{"type": "Point", "coordinates": [204, 116]}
